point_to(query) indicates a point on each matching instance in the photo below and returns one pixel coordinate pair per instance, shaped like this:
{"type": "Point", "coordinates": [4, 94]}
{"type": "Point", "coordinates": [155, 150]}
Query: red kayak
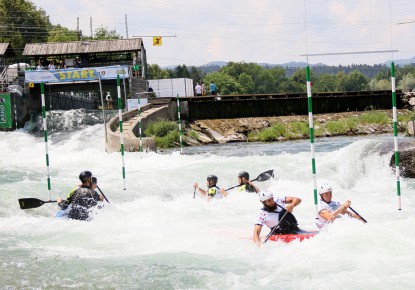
{"type": "Point", "coordinates": [292, 237]}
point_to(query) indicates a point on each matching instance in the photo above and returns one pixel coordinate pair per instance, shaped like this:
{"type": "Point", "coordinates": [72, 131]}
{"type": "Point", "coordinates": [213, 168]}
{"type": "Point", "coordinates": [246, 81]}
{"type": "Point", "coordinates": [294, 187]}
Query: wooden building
{"type": "Point", "coordinates": [91, 53]}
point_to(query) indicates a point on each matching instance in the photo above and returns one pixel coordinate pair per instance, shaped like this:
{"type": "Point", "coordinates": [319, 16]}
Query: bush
{"type": "Point", "coordinates": [374, 117]}
{"type": "Point", "coordinates": [170, 140]}
{"type": "Point", "coordinates": [160, 128]}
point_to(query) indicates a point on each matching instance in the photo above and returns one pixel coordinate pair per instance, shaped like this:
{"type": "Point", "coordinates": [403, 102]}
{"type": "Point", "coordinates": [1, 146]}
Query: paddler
{"type": "Point", "coordinates": [213, 191]}
{"type": "Point", "coordinates": [328, 209]}
{"type": "Point", "coordinates": [82, 198]}
{"type": "Point", "coordinates": [277, 211]}
{"type": "Point", "coordinates": [245, 184]}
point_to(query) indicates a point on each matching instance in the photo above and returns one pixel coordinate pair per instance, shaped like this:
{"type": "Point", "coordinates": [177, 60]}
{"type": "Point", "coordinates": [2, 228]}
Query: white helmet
{"type": "Point", "coordinates": [265, 194]}
{"type": "Point", "coordinates": [324, 187]}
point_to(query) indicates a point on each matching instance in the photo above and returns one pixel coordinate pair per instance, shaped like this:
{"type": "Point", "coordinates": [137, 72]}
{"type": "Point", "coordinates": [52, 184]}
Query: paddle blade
{"type": "Point", "coordinates": [266, 175]}
{"type": "Point", "coordinates": [26, 203]}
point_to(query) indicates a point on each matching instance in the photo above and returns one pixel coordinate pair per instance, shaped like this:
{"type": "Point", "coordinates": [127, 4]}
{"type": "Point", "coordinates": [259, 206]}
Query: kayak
{"type": "Point", "coordinates": [63, 213]}
{"type": "Point", "coordinates": [304, 235]}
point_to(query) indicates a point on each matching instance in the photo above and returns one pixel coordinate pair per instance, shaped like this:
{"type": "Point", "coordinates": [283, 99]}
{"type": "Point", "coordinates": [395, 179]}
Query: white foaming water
{"type": "Point", "coordinates": [155, 235]}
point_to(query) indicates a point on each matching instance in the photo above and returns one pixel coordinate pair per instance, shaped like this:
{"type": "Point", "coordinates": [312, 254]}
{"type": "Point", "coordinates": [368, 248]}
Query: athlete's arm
{"type": "Point", "coordinates": [257, 232]}
{"type": "Point", "coordinates": [291, 202]}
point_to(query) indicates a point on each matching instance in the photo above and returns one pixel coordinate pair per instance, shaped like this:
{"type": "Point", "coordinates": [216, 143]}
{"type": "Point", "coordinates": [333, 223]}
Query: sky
{"type": "Point", "coordinates": [198, 32]}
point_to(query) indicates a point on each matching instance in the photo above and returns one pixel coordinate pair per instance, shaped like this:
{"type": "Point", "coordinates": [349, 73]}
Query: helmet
{"type": "Point", "coordinates": [264, 195]}
{"type": "Point", "coordinates": [212, 177]}
{"type": "Point", "coordinates": [243, 174]}
{"type": "Point", "coordinates": [85, 175]}
{"type": "Point", "coordinates": [324, 187]}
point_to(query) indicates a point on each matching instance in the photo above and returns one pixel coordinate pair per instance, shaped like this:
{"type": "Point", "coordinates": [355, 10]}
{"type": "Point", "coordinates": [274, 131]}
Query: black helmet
{"type": "Point", "coordinates": [212, 177]}
{"type": "Point", "coordinates": [85, 175]}
{"type": "Point", "coordinates": [244, 174]}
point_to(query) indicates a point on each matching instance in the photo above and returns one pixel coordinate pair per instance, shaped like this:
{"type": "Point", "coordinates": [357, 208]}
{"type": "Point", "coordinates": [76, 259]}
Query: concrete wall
{"type": "Point", "coordinates": [242, 106]}
{"type": "Point", "coordinates": [131, 141]}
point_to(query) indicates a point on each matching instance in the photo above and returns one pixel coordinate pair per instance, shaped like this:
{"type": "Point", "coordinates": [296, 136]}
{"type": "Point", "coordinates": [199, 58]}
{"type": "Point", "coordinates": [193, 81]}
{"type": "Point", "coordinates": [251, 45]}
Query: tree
{"type": "Point", "coordinates": [407, 83]}
{"type": "Point", "coordinates": [102, 33]}
{"type": "Point", "coordinates": [156, 72]}
{"type": "Point", "coordinates": [355, 81]}
{"type": "Point", "coordinates": [181, 71]}
{"type": "Point", "coordinates": [22, 22]}
{"type": "Point", "coordinates": [59, 33]}
{"type": "Point", "coordinates": [325, 83]}
{"type": "Point", "coordinates": [225, 84]}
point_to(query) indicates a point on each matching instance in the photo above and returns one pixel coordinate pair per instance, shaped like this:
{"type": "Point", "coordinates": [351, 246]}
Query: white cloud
{"type": "Point", "coordinates": [245, 30]}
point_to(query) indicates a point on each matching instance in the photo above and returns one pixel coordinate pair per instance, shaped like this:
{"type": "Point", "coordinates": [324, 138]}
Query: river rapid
{"type": "Point", "coordinates": [155, 235]}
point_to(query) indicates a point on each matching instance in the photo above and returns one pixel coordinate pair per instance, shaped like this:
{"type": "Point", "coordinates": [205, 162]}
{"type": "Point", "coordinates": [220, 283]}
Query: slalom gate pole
{"type": "Point", "coordinates": [45, 132]}
{"type": "Point", "coordinates": [311, 126]}
{"type": "Point", "coordinates": [121, 132]}
{"type": "Point", "coordinates": [103, 109]}
{"type": "Point", "coordinates": [15, 109]}
{"type": "Point", "coordinates": [180, 124]}
{"type": "Point", "coordinates": [395, 134]}
{"type": "Point", "coordinates": [139, 128]}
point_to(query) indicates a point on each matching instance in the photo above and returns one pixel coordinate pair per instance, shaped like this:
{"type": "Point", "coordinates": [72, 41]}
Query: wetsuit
{"type": "Point", "coordinates": [83, 199]}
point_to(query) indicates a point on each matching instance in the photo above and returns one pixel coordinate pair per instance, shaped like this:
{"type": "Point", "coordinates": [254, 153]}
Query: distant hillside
{"type": "Point", "coordinates": [401, 62]}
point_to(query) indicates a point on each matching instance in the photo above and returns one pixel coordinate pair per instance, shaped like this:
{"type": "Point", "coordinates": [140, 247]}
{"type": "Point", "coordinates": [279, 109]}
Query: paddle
{"type": "Point", "coordinates": [275, 228]}
{"type": "Point", "coordinates": [365, 221]}
{"type": "Point", "coordinates": [103, 194]}
{"type": "Point", "coordinates": [26, 203]}
{"type": "Point", "coordinates": [262, 177]}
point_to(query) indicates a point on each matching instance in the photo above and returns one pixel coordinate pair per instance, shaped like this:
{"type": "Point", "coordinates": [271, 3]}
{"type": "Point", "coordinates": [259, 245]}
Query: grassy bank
{"type": "Point", "coordinates": [370, 120]}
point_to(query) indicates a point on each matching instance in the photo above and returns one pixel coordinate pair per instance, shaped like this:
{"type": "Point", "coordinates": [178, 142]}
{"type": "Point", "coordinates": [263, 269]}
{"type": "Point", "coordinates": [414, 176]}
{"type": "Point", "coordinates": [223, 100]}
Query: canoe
{"type": "Point", "coordinates": [304, 235]}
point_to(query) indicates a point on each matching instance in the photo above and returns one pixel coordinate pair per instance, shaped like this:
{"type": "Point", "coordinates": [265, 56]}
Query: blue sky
{"type": "Point", "coordinates": [271, 31]}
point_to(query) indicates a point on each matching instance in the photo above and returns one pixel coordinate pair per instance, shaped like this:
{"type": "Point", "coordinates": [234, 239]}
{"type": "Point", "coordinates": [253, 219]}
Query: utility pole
{"type": "Point", "coordinates": [90, 26]}
{"type": "Point", "coordinates": [77, 28]}
{"type": "Point", "coordinates": [126, 26]}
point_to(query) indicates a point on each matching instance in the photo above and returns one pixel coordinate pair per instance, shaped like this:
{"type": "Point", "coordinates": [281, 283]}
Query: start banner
{"type": "Point", "coordinates": [5, 111]}
{"type": "Point", "coordinates": [76, 74]}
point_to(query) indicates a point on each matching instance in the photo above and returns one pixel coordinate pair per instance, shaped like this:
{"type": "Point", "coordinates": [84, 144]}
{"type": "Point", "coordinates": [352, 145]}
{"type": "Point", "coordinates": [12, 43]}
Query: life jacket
{"type": "Point", "coordinates": [287, 224]}
{"type": "Point", "coordinates": [246, 187]}
{"type": "Point", "coordinates": [213, 190]}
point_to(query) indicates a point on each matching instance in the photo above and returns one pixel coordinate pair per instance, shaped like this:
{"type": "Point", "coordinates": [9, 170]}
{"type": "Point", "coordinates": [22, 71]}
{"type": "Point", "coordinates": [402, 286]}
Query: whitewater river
{"type": "Point", "coordinates": [154, 235]}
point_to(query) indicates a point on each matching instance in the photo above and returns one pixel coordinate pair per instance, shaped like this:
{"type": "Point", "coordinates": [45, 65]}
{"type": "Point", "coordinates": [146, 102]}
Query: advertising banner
{"type": "Point", "coordinates": [133, 103]}
{"type": "Point", "coordinates": [5, 111]}
{"type": "Point", "coordinates": [76, 74]}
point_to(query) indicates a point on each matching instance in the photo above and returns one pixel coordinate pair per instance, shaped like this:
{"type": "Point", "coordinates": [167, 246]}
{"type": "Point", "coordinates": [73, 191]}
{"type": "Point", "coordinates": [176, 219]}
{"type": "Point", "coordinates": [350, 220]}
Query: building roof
{"type": "Point", "coordinates": [3, 48]}
{"type": "Point", "coordinates": [78, 47]}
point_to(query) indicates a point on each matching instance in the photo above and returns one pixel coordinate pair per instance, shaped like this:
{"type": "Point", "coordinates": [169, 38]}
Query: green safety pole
{"type": "Point", "coordinates": [121, 132]}
{"type": "Point", "coordinates": [311, 126]}
{"type": "Point", "coordinates": [395, 134]}
{"type": "Point", "coordinates": [139, 127]}
{"type": "Point", "coordinates": [45, 132]}
{"type": "Point", "coordinates": [180, 124]}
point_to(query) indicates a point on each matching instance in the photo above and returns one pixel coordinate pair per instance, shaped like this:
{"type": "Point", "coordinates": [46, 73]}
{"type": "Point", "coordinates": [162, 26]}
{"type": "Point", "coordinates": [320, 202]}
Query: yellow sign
{"type": "Point", "coordinates": [31, 85]}
{"type": "Point", "coordinates": [157, 41]}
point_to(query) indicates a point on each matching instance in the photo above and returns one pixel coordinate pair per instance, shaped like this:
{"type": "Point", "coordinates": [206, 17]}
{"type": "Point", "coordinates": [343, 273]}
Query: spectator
{"type": "Point", "coordinates": [39, 65]}
{"type": "Point", "coordinates": [51, 65]}
{"type": "Point", "coordinates": [203, 89]}
{"type": "Point", "coordinates": [198, 90]}
{"type": "Point", "coordinates": [212, 88]}
{"type": "Point", "coordinates": [61, 65]}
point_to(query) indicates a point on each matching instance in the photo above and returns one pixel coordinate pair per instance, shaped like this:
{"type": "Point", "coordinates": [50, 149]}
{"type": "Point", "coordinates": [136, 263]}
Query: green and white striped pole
{"type": "Point", "coordinates": [395, 134]}
{"type": "Point", "coordinates": [121, 132]}
{"type": "Point", "coordinates": [45, 132]}
{"type": "Point", "coordinates": [139, 128]}
{"type": "Point", "coordinates": [311, 126]}
{"type": "Point", "coordinates": [180, 124]}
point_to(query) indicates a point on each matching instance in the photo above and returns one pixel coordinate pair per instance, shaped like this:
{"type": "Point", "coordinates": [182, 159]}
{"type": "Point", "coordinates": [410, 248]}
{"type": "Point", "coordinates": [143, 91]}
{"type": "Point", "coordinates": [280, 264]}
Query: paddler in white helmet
{"type": "Point", "coordinates": [328, 209]}
{"type": "Point", "coordinates": [276, 210]}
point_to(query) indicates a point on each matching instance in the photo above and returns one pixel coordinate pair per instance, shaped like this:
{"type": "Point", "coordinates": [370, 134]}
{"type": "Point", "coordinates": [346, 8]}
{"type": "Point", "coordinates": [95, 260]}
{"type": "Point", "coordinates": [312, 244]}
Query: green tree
{"type": "Point", "coordinates": [103, 33]}
{"type": "Point", "coordinates": [156, 72]}
{"type": "Point", "coordinates": [225, 84]}
{"type": "Point", "coordinates": [22, 22]}
{"type": "Point", "coordinates": [58, 33]}
{"type": "Point", "coordinates": [325, 83]}
{"type": "Point", "coordinates": [355, 81]}
{"type": "Point", "coordinates": [407, 83]}
{"type": "Point", "coordinates": [247, 83]}
{"type": "Point", "coordinates": [181, 71]}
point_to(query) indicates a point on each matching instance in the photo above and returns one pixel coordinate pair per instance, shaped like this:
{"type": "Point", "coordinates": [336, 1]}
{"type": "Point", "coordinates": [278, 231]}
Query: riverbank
{"type": "Point", "coordinates": [270, 129]}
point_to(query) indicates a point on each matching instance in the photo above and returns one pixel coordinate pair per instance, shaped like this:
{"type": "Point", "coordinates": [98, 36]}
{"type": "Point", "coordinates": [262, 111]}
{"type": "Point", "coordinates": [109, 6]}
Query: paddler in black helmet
{"type": "Point", "coordinates": [213, 190]}
{"type": "Point", "coordinates": [245, 184]}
